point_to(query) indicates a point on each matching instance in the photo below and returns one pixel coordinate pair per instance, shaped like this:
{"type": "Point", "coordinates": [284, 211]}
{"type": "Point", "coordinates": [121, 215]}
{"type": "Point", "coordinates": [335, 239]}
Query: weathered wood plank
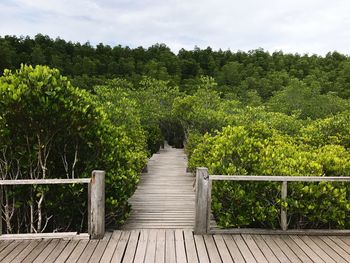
{"type": "Point", "coordinates": [160, 247]}
{"type": "Point", "coordinates": [56, 251]}
{"type": "Point", "coordinates": [170, 246]}
{"type": "Point", "coordinates": [344, 253]}
{"type": "Point", "coordinates": [67, 251]}
{"type": "Point", "coordinates": [100, 249]}
{"type": "Point", "coordinates": [234, 250]}
{"type": "Point", "coordinates": [307, 240]}
{"type": "Point", "coordinates": [311, 254]}
{"type": "Point", "coordinates": [258, 255]}
{"type": "Point", "coordinates": [24, 253]}
{"type": "Point", "coordinates": [275, 248]}
{"type": "Point", "coordinates": [141, 246]}
{"type": "Point", "coordinates": [88, 251]}
{"type": "Point", "coordinates": [288, 251]}
{"type": "Point", "coordinates": [190, 246]}
{"type": "Point", "coordinates": [180, 247]}
{"type": "Point", "coordinates": [9, 248]}
{"type": "Point", "coordinates": [151, 247]}
{"type": "Point", "coordinates": [112, 245]}
{"type": "Point", "coordinates": [77, 251]}
{"type": "Point", "coordinates": [119, 251]}
{"type": "Point", "coordinates": [329, 250]}
{"type": "Point", "coordinates": [294, 247]}
{"type": "Point", "coordinates": [131, 247]}
{"type": "Point", "coordinates": [14, 253]}
{"type": "Point", "coordinates": [47, 251]}
{"type": "Point", "coordinates": [222, 249]}
{"type": "Point", "coordinates": [201, 249]}
{"type": "Point", "coordinates": [248, 256]}
{"type": "Point", "coordinates": [265, 249]}
{"type": "Point", "coordinates": [211, 248]}
{"type": "Point", "coordinates": [38, 249]}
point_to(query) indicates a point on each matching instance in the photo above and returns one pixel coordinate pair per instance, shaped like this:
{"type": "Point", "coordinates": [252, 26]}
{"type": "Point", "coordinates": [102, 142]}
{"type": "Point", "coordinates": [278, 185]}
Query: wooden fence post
{"type": "Point", "coordinates": [202, 195]}
{"type": "Point", "coordinates": [97, 205]}
{"type": "Point", "coordinates": [284, 191]}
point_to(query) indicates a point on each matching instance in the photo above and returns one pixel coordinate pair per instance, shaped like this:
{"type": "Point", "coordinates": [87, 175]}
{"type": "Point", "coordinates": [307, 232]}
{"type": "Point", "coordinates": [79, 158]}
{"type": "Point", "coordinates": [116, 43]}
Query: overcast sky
{"type": "Point", "coordinates": [303, 26]}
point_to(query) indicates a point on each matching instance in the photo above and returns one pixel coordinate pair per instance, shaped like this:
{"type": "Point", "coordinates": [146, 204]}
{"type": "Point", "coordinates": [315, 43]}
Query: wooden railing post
{"type": "Point", "coordinates": [284, 191]}
{"type": "Point", "coordinates": [96, 214]}
{"type": "Point", "coordinates": [202, 196]}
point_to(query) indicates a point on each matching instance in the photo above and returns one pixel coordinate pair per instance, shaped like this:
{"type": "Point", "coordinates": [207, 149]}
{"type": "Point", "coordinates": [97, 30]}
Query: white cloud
{"type": "Point", "coordinates": [313, 26]}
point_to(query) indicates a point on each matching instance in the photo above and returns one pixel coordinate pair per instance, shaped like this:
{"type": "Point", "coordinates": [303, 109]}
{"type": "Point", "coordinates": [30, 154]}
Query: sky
{"type": "Point", "coordinates": [293, 26]}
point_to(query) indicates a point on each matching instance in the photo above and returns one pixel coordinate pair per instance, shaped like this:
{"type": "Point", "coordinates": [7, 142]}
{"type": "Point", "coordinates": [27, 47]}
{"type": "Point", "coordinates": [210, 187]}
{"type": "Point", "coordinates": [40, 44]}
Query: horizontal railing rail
{"type": "Point", "coordinates": [96, 203]}
{"type": "Point", "coordinates": [203, 199]}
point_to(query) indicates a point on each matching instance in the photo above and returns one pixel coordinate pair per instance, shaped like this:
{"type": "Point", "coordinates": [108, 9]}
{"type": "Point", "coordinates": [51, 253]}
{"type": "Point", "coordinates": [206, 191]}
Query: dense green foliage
{"type": "Point", "coordinates": [236, 112]}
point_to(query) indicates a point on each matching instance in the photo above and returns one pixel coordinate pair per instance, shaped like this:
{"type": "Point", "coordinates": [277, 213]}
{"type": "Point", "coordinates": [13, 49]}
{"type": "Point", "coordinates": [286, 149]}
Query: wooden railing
{"type": "Point", "coordinates": [203, 201]}
{"type": "Point", "coordinates": [96, 204]}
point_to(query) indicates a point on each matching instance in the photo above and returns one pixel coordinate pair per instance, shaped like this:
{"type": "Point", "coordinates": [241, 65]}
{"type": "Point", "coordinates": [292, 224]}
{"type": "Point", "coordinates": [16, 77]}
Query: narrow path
{"type": "Point", "coordinates": [165, 195]}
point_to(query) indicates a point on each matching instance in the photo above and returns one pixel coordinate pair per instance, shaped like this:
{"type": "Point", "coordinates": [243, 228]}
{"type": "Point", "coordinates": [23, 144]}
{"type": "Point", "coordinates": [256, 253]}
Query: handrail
{"type": "Point", "coordinates": [45, 181]}
{"type": "Point", "coordinates": [203, 194]}
{"type": "Point", "coordinates": [96, 200]}
{"type": "Point", "coordinates": [268, 178]}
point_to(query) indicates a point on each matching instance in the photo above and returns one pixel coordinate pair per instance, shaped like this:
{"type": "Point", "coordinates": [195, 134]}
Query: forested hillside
{"type": "Point", "coordinates": [68, 108]}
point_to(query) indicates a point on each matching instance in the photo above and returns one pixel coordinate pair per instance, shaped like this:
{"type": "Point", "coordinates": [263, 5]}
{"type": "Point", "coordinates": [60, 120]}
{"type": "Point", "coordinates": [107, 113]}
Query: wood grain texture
{"type": "Point", "coordinates": [179, 245]}
{"type": "Point", "coordinates": [165, 195]}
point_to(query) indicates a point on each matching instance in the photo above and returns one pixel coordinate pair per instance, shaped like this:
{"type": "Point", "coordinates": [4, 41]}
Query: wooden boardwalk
{"type": "Point", "coordinates": [165, 195]}
{"type": "Point", "coordinates": [169, 245]}
{"type": "Point", "coordinates": [160, 230]}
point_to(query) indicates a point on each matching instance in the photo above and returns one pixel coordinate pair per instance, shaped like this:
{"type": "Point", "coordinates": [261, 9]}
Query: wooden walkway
{"type": "Point", "coordinates": [168, 245]}
{"type": "Point", "coordinates": [160, 230]}
{"type": "Point", "coordinates": [165, 195]}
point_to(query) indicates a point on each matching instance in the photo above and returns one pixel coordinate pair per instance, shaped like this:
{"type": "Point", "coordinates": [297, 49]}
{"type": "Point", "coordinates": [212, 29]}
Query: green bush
{"type": "Point", "coordinates": [259, 150]}
{"type": "Point", "coordinates": [50, 129]}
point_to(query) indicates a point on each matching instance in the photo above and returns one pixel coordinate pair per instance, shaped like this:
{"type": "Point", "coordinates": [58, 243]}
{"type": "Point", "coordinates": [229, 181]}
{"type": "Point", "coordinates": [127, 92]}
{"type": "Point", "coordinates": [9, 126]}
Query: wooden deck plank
{"type": "Point", "coordinates": [317, 249]}
{"type": "Point", "coordinates": [180, 247]}
{"type": "Point", "coordinates": [122, 243]}
{"type": "Point", "coordinates": [258, 255]}
{"type": "Point", "coordinates": [212, 249]}
{"type": "Point", "coordinates": [88, 251]}
{"type": "Point", "coordinates": [160, 247]}
{"type": "Point", "coordinates": [346, 239]}
{"type": "Point", "coordinates": [233, 249]}
{"type": "Point", "coordinates": [142, 245]}
{"type": "Point", "coordinates": [222, 248]}
{"type": "Point", "coordinates": [337, 247]}
{"type": "Point", "coordinates": [112, 245]}
{"type": "Point", "coordinates": [170, 246]}
{"type": "Point", "coordinates": [265, 249]}
{"type": "Point", "coordinates": [56, 251]}
{"type": "Point", "coordinates": [4, 244]}
{"type": "Point", "coordinates": [47, 251]}
{"type": "Point", "coordinates": [247, 255]}
{"type": "Point", "coordinates": [201, 249]}
{"type": "Point", "coordinates": [26, 251]}
{"type": "Point", "coordinates": [310, 253]}
{"type": "Point", "coordinates": [78, 250]}
{"type": "Point", "coordinates": [35, 252]}
{"type": "Point", "coordinates": [14, 253]}
{"type": "Point", "coordinates": [275, 248]}
{"type": "Point", "coordinates": [165, 196]}
{"type": "Point", "coordinates": [131, 246]}
{"type": "Point", "coordinates": [190, 246]}
{"type": "Point", "coordinates": [66, 251]}
{"type": "Point", "coordinates": [327, 249]}
{"type": "Point", "coordinates": [150, 254]}
{"type": "Point", "coordinates": [340, 243]}
{"type": "Point", "coordinates": [295, 248]}
{"type": "Point", "coordinates": [9, 248]}
{"type": "Point", "coordinates": [290, 254]}
{"type": "Point", "coordinates": [100, 249]}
